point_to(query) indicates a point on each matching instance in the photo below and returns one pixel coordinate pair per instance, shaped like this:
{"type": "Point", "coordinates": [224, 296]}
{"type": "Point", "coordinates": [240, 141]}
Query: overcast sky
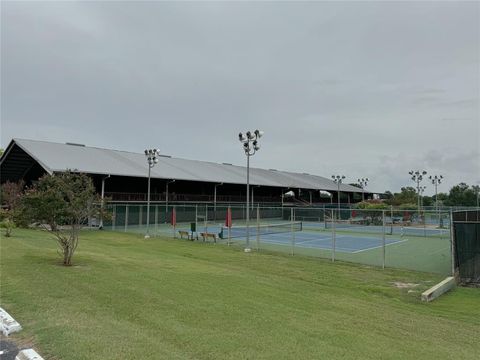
{"type": "Point", "coordinates": [364, 89]}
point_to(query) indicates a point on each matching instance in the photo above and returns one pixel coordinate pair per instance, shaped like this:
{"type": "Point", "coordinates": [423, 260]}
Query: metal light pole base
{"type": "Point", "coordinates": [247, 250]}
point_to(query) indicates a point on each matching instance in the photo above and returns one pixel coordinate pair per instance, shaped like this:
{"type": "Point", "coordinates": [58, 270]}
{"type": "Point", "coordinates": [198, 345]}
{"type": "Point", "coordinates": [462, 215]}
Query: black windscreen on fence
{"type": "Point", "coordinates": [466, 227]}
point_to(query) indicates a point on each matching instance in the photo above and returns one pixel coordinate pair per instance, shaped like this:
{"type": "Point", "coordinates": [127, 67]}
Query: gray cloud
{"type": "Point", "coordinates": [366, 89]}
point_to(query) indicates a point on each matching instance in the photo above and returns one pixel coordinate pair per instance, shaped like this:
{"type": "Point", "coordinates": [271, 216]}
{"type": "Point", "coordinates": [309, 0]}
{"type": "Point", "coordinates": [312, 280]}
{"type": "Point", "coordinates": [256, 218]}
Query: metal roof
{"type": "Point", "coordinates": [57, 157]}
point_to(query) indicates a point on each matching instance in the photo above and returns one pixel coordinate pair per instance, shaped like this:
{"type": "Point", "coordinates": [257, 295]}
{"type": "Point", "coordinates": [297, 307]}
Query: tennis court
{"type": "Point", "coordinates": [310, 240]}
{"type": "Point", "coordinates": [408, 244]}
{"type": "Point", "coordinates": [297, 233]}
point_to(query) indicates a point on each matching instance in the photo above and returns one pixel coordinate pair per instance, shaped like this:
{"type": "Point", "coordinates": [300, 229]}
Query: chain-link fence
{"type": "Point", "coordinates": [410, 239]}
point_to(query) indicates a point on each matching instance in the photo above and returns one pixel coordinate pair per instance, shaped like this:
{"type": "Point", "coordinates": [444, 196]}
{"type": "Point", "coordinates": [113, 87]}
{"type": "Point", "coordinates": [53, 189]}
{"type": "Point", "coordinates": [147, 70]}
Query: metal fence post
{"type": "Point", "coordinates": [156, 219]}
{"type": "Point", "coordinates": [205, 221]}
{"type": "Point", "coordinates": [452, 243]}
{"type": "Point", "coordinates": [229, 215]}
{"type": "Point", "coordinates": [140, 216]}
{"type": "Point", "coordinates": [174, 223]}
{"type": "Point", "coordinates": [383, 239]}
{"type": "Point", "coordinates": [114, 216]}
{"type": "Point", "coordinates": [126, 217]}
{"type": "Point", "coordinates": [391, 219]}
{"type": "Point", "coordinates": [196, 221]}
{"type": "Point", "coordinates": [258, 227]}
{"type": "Point", "coordinates": [292, 218]}
{"type": "Point", "coordinates": [333, 236]}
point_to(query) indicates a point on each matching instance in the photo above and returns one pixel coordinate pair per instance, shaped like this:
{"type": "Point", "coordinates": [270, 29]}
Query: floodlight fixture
{"type": "Point", "coordinates": [417, 177]}
{"type": "Point", "coordinates": [338, 179]}
{"type": "Point", "coordinates": [436, 180]}
{"type": "Point", "coordinates": [363, 182]}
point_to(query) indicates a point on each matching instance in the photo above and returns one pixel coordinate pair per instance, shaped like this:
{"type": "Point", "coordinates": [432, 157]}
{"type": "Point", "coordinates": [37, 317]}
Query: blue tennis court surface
{"type": "Point", "coordinates": [343, 243]}
{"type": "Point", "coordinates": [349, 243]}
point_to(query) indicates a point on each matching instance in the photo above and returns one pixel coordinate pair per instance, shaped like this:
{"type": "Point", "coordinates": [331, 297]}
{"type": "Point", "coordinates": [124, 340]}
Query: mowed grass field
{"type": "Point", "coordinates": [131, 298]}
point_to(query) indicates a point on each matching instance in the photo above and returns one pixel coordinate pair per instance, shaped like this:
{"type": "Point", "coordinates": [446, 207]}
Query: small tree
{"type": "Point", "coordinates": [11, 194]}
{"type": "Point", "coordinates": [6, 222]}
{"type": "Point", "coordinates": [62, 204]}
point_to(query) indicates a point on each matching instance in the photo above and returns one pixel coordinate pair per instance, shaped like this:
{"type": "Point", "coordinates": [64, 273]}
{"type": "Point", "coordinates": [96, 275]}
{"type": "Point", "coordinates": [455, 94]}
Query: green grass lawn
{"type": "Point", "coordinates": [131, 298]}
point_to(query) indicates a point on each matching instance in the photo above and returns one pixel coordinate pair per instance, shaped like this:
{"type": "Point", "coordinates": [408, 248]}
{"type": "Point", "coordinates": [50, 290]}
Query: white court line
{"type": "Point", "coordinates": [306, 241]}
{"type": "Point", "coordinates": [439, 250]}
{"type": "Point", "coordinates": [379, 247]}
{"type": "Point", "coordinates": [329, 248]}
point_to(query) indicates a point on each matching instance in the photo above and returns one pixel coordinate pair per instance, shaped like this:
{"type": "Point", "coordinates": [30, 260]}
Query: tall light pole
{"type": "Point", "coordinates": [152, 159]}
{"type": "Point", "coordinates": [338, 180]}
{"type": "Point", "coordinates": [421, 189]}
{"type": "Point", "coordinates": [250, 147]}
{"type": "Point", "coordinates": [417, 176]}
{"type": "Point", "coordinates": [363, 184]}
{"type": "Point", "coordinates": [436, 180]}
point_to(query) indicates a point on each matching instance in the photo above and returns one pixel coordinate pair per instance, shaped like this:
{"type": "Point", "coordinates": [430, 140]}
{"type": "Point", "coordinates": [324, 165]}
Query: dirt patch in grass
{"type": "Point", "coordinates": [403, 285]}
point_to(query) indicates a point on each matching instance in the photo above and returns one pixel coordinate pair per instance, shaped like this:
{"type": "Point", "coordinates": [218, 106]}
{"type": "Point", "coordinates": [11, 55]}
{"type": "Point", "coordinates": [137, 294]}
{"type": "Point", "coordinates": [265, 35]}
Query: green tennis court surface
{"type": "Point", "coordinates": [429, 253]}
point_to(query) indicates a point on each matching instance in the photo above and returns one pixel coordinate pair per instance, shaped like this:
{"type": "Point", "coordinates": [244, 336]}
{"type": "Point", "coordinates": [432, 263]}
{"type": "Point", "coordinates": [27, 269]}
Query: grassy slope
{"type": "Point", "coordinates": [130, 298]}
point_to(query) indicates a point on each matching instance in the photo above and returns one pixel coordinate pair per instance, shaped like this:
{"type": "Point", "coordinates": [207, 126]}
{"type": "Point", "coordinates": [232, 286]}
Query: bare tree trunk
{"type": "Point", "coordinates": [71, 245]}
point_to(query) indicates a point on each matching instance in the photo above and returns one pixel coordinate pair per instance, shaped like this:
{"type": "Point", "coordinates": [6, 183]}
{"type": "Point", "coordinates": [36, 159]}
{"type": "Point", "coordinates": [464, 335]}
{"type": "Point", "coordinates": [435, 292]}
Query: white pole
{"type": "Point", "coordinates": [258, 227]}
{"type": "Point", "coordinates": [247, 248]}
{"type": "Point", "coordinates": [383, 239]}
{"type": "Point", "coordinates": [215, 203]}
{"type": "Point", "coordinates": [391, 219]}
{"type": "Point", "coordinates": [196, 222]}
{"type": "Point", "coordinates": [230, 225]}
{"type": "Point", "coordinates": [205, 226]}
{"type": "Point", "coordinates": [338, 183]}
{"type": "Point", "coordinates": [333, 236]}
{"type": "Point", "coordinates": [452, 243]}
{"type": "Point", "coordinates": [252, 198]}
{"type": "Point", "coordinates": [292, 218]}
{"type": "Point", "coordinates": [156, 219]}
{"type": "Point", "coordinates": [175, 223]}
{"type": "Point", "coordinates": [147, 235]}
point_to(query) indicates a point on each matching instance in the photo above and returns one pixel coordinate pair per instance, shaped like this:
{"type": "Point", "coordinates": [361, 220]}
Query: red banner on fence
{"type": "Point", "coordinates": [228, 220]}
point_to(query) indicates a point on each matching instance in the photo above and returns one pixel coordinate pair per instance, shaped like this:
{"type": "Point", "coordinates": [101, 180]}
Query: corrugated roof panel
{"type": "Point", "coordinates": [59, 157]}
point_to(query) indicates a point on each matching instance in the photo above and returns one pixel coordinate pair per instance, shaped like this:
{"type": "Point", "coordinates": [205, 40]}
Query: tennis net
{"type": "Point", "coordinates": [390, 229]}
{"type": "Point", "coordinates": [425, 232]}
{"type": "Point", "coordinates": [357, 226]}
{"type": "Point", "coordinates": [264, 229]}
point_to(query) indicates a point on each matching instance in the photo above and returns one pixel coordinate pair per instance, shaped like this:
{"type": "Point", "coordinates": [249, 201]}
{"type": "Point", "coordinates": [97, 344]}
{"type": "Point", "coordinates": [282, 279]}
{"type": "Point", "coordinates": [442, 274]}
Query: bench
{"type": "Point", "coordinates": [183, 233]}
{"type": "Point", "coordinates": [206, 236]}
